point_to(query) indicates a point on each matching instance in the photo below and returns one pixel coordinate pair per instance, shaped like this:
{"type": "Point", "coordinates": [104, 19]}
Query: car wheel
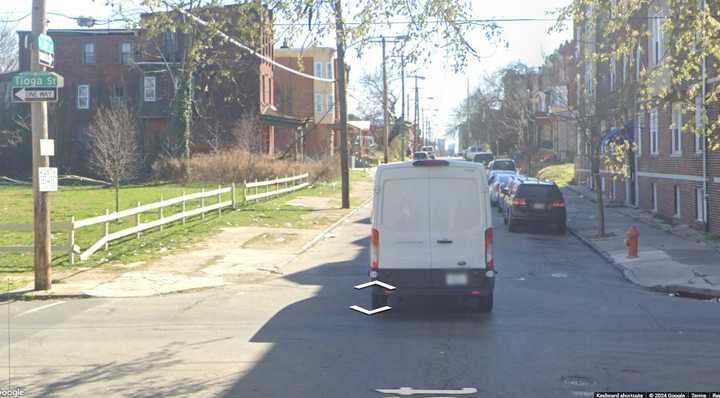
{"type": "Point", "coordinates": [485, 304]}
{"type": "Point", "coordinates": [379, 300]}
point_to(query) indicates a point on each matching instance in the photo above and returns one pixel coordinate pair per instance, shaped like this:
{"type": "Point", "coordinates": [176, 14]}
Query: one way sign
{"type": "Point", "coordinates": [35, 94]}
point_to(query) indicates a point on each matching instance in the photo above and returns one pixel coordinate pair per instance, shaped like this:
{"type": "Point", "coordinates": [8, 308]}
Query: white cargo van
{"type": "Point", "coordinates": [432, 231]}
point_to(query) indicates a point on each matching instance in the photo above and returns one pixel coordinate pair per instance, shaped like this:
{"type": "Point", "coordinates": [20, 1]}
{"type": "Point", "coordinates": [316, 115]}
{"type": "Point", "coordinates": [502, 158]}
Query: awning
{"type": "Point", "coordinates": [274, 118]}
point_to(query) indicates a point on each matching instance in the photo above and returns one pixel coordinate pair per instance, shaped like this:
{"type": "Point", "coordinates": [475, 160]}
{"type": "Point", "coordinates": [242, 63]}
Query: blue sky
{"type": "Point", "coordinates": [527, 42]}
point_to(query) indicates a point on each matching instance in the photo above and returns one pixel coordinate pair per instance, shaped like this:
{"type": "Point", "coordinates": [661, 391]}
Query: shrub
{"type": "Point", "coordinates": [239, 165]}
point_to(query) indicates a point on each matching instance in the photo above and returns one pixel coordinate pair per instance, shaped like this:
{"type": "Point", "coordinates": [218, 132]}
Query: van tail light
{"type": "Point", "coordinates": [519, 202]}
{"type": "Point", "coordinates": [375, 250]}
{"type": "Point", "coordinates": [558, 204]}
{"type": "Point", "coordinates": [489, 261]}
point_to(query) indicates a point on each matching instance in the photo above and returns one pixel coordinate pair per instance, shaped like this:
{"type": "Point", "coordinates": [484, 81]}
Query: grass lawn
{"type": "Point", "coordinates": [84, 202]}
{"type": "Point", "coordinates": [562, 174]}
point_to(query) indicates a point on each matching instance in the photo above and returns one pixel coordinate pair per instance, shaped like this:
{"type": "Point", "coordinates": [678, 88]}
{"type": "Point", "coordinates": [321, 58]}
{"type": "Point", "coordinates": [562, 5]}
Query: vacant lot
{"type": "Point", "coordinates": [84, 202]}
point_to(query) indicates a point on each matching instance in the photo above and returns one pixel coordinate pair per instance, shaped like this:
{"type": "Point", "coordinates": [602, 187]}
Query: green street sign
{"type": "Point", "coordinates": [46, 44]}
{"type": "Point", "coordinates": [37, 79]}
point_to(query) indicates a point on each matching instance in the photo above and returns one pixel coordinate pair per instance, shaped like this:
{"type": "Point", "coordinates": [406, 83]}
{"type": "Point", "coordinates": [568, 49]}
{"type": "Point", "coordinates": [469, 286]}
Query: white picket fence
{"type": "Point", "coordinates": [266, 189]}
{"type": "Point", "coordinates": [251, 191]}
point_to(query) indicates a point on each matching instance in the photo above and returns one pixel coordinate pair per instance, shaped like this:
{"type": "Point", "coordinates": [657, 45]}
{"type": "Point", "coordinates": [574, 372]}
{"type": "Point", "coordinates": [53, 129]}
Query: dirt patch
{"type": "Point", "coordinates": [268, 240]}
{"type": "Point", "coordinates": [312, 202]}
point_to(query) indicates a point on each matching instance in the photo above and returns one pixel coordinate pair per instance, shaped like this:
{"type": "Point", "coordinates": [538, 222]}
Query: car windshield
{"type": "Point", "coordinates": [503, 165]}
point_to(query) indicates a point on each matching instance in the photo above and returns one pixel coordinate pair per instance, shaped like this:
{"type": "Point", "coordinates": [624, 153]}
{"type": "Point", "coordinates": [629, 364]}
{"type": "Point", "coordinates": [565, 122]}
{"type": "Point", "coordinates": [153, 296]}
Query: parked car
{"type": "Point", "coordinates": [483, 157]}
{"type": "Point", "coordinates": [470, 152]}
{"type": "Point", "coordinates": [438, 243]}
{"type": "Point", "coordinates": [420, 155]}
{"type": "Point", "coordinates": [502, 164]}
{"type": "Point", "coordinates": [530, 200]}
{"type": "Point", "coordinates": [504, 190]}
{"type": "Point", "coordinates": [428, 149]}
{"type": "Point", "coordinates": [496, 183]}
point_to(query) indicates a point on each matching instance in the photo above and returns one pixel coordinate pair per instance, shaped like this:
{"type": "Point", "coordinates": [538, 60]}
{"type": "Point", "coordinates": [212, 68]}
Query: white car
{"type": "Point", "coordinates": [432, 231]}
{"type": "Point", "coordinates": [496, 182]}
{"type": "Point", "coordinates": [470, 153]}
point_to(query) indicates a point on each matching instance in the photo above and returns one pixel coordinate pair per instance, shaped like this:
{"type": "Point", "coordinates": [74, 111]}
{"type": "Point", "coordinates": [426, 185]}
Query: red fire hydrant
{"type": "Point", "coordinates": [631, 242]}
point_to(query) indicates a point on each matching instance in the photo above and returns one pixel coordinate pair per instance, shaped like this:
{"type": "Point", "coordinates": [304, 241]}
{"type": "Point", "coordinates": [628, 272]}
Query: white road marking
{"type": "Point", "coordinates": [411, 391]}
{"type": "Point", "coordinates": [373, 312]}
{"type": "Point", "coordinates": [44, 307]}
{"type": "Point", "coordinates": [381, 284]}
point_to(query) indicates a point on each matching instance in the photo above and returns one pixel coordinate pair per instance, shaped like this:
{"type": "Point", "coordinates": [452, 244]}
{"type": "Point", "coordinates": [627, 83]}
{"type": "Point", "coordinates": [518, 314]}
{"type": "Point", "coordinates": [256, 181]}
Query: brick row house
{"type": "Point", "coordinates": [104, 66]}
{"type": "Point", "coordinates": [669, 165]}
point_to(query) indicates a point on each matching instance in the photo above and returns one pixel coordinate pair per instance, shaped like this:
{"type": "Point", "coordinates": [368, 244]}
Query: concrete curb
{"type": "Point", "coordinates": [628, 273]}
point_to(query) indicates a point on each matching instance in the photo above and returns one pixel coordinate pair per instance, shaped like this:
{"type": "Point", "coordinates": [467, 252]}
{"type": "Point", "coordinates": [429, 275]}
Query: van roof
{"type": "Point", "coordinates": [451, 163]}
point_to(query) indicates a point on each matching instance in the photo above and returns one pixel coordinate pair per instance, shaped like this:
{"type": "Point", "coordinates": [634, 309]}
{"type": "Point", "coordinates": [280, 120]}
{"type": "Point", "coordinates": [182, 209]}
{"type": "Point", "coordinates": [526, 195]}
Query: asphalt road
{"type": "Point", "coordinates": [565, 324]}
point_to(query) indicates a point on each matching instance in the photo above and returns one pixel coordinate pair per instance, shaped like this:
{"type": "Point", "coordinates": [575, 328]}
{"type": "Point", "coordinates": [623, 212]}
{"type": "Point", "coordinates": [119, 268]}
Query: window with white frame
{"type": "Point", "coordinates": [330, 102]}
{"type": "Point", "coordinates": [656, 39]}
{"type": "Point", "coordinates": [611, 77]}
{"type": "Point", "coordinates": [318, 103]}
{"type": "Point", "coordinates": [678, 202]}
{"type": "Point", "coordinates": [676, 129]}
{"type": "Point", "coordinates": [653, 196]}
{"type": "Point", "coordinates": [83, 96]}
{"type": "Point", "coordinates": [88, 54]}
{"type": "Point", "coordinates": [639, 127]}
{"type": "Point", "coordinates": [329, 70]}
{"type": "Point", "coordinates": [125, 53]}
{"type": "Point", "coordinates": [318, 69]}
{"type": "Point", "coordinates": [699, 125]}
{"type": "Point", "coordinates": [150, 89]}
{"type": "Point", "coordinates": [654, 132]}
{"type": "Point", "coordinates": [602, 184]}
{"type": "Point", "coordinates": [638, 61]}
{"type": "Point", "coordinates": [700, 205]}
{"type": "Point", "coordinates": [624, 68]}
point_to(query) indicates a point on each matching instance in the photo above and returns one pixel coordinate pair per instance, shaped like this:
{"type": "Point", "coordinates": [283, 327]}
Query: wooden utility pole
{"type": "Point", "coordinates": [342, 93]}
{"type": "Point", "coordinates": [41, 205]}
{"type": "Point", "coordinates": [385, 105]}
{"type": "Point", "coordinates": [402, 113]}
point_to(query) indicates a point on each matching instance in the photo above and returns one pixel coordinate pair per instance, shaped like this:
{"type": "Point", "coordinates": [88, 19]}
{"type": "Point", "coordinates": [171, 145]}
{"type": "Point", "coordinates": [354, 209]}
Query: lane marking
{"type": "Point", "coordinates": [411, 391]}
{"type": "Point", "coordinates": [373, 312]}
{"type": "Point", "coordinates": [44, 307]}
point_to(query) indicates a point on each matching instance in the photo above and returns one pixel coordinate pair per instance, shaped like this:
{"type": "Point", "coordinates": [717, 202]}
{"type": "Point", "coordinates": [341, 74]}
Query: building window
{"type": "Point", "coordinates": [318, 69]}
{"type": "Point", "coordinates": [150, 89]}
{"type": "Point", "coordinates": [330, 102]}
{"type": "Point", "coordinates": [699, 125]}
{"type": "Point", "coordinates": [170, 45]}
{"type": "Point", "coordinates": [700, 205]}
{"type": "Point", "coordinates": [676, 129]}
{"type": "Point", "coordinates": [639, 127]}
{"type": "Point", "coordinates": [612, 74]}
{"type": "Point", "coordinates": [602, 184]}
{"type": "Point", "coordinates": [678, 202]}
{"type": "Point", "coordinates": [318, 103]}
{"type": "Point", "coordinates": [656, 39]}
{"type": "Point", "coordinates": [83, 96]}
{"type": "Point", "coordinates": [118, 90]}
{"type": "Point", "coordinates": [88, 55]}
{"type": "Point", "coordinates": [579, 142]}
{"type": "Point", "coordinates": [653, 196]}
{"type": "Point", "coordinates": [330, 72]}
{"type": "Point", "coordinates": [624, 68]}
{"type": "Point", "coordinates": [654, 132]}
{"type": "Point", "coordinates": [638, 61]}
{"type": "Point", "coordinates": [125, 53]}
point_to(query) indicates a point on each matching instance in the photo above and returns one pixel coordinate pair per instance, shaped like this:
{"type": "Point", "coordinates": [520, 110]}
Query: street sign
{"type": "Point", "coordinates": [47, 147]}
{"type": "Point", "coordinates": [48, 179]}
{"type": "Point", "coordinates": [38, 79]}
{"type": "Point", "coordinates": [34, 94]}
{"type": "Point", "coordinates": [46, 50]}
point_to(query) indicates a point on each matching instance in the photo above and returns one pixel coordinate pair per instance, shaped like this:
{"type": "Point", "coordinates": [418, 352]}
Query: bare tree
{"type": "Point", "coordinates": [8, 48]}
{"type": "Point", "coordinates": [247, 132]}
{"type": "Point", "coordinates": [114, 145]}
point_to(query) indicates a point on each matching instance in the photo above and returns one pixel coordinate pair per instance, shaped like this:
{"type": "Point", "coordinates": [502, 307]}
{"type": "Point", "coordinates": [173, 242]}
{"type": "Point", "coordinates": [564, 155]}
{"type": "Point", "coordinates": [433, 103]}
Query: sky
{"type": "Point", "coordinates": [527, 42]}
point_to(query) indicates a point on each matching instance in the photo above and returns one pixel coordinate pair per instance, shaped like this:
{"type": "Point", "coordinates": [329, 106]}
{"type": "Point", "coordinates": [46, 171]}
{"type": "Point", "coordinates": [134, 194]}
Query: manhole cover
{"type": "Point", "coordinates": [577, 381]}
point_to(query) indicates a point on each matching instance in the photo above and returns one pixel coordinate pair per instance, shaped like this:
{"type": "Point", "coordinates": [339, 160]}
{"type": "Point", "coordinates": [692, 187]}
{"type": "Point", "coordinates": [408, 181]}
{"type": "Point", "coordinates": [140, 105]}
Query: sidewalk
{"type": "Point", "coordinates": [235, 255]}
{"type": "Point", "coordinates": [669, 260]}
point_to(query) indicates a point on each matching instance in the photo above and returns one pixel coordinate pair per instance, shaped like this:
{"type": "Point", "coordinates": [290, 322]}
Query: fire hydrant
{"type": "Point", "coordinates": [631, 242]}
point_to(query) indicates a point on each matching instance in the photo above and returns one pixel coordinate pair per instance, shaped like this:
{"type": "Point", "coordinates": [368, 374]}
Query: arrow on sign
{"type": "Point", "coordinates": [381, 284]}
{"type": "Point", "coordinates": [21, 94]}
{"type": "Point", "coordinates": [373, 312]}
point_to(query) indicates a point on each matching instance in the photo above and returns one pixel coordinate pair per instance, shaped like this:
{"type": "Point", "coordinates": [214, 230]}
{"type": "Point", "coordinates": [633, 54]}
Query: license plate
{"type": "Point", "coordinates": [456, 279]}
{"type": "Point", "coordinates": [539, 206]}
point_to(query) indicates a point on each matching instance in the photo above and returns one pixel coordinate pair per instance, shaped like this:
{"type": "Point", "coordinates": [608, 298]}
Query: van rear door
{"type": "Point", "coordinates": [403, 226]}
{"type": "Point", "coordinates": [457, 218]}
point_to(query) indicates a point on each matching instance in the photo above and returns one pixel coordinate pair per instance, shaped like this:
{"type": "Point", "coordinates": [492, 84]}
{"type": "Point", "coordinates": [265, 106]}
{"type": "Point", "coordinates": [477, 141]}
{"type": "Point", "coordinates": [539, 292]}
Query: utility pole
{"type": "Point", "coordinates": [41, 206]}
{"type": "Point", "coordinates": [402, 112]}
{"type": "Point", "coordinates": [467, 108]}
{"type": "Point", "coordinates": [385, 104]}
{"type": "Point", "coordinates": [342, 93]}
